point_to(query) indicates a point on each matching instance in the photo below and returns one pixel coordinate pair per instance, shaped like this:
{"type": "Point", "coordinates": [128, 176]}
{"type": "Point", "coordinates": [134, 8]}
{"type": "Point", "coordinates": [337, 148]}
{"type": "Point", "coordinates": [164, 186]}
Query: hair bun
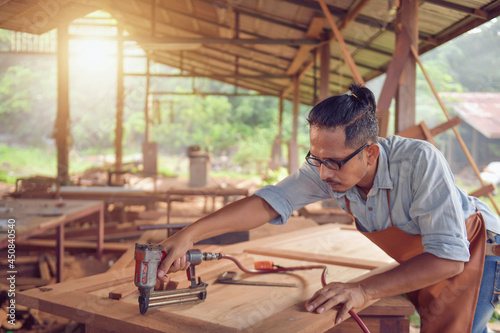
{"type": "Point", "coordinates": [363, 95]}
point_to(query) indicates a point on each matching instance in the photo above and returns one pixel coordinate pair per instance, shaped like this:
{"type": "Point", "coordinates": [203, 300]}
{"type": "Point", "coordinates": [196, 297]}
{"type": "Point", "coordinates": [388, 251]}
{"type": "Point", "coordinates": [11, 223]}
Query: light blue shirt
{"type": "Point", "coordinates": [424, 199]}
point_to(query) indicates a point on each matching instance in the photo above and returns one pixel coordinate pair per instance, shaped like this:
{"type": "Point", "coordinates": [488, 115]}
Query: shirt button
{"type": "Point", "coordinates": [370, 208]}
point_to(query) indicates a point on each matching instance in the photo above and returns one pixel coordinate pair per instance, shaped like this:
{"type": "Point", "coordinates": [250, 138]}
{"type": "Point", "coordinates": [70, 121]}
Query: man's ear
{"type": "Point", "coordinates": [372, 153]}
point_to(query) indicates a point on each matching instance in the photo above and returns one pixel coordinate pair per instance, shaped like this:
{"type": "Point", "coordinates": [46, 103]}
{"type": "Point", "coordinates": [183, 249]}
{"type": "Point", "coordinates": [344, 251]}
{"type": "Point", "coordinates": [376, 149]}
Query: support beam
{"type": "Point", "coordinates": [315, 28]}
{"type": "Point", "coordinates": [401, 54]}
{"type": "Point", "coordinates": [353, 13]}
{"type": "Point", "coordinates": [185, 93]}
{"type": "Point", "coordinates": [159, 41]}
{"type": "Point", "coordinates": [288, 89]}
{"type": "Point", "coordinates": [324, 77]}
{"type": "Point", "coordinates": [343, 47]}
{"type": "Point", "coordinates": [62, 123]}
{"type": "Point", "coordinates": [213, 76]}
{"type": "Point", "coordinates": [119, 102]}
{"type": "Point", "coordinates": [459, 8]}
{"type": "Point", "coordinates": [407, 17]}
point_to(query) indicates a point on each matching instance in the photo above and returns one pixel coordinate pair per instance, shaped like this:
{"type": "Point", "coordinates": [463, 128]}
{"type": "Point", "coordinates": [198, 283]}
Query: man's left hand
{"type": "Point", "coordinates": [347, 295]}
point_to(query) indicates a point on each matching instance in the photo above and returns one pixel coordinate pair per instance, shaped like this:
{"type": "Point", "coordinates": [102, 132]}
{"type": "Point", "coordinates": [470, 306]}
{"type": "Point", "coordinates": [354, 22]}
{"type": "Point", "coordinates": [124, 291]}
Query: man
{"type": "Point", "coordinates": [402, 195]}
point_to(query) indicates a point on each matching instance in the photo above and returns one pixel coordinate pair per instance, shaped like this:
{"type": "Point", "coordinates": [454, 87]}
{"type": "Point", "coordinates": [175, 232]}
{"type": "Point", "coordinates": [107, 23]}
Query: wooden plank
{"type": "Point", "coordinates": [35, 216]}
{"type": "Point", "coordinates": [416, 132]}
{"type": "Point", "coordinates": [394, 305]}
{"type": "Point", "coordinates": [284, 238]}
{"type": "Point", "coordinates": [375, 325]}
{"type": "Point", "coordinates": [112, 315]}
{"type": "Point", "coordinates": [451, 123]}
{"type": "Point", "coordinates": [483, 191]}
{"type": "Point", "coordinates": [427, 133]}
{"type": "Point", "coordinates": [227, 307]}
{"type": "Point", "coordinates": [122, 291]}
{"type": "Point", "coordinates": [317, 257]}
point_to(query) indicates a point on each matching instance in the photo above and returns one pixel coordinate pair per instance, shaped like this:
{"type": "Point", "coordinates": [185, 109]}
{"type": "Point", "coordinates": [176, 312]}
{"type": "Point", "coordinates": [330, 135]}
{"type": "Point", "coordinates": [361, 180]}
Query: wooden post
{"type": "Point", "coordinates": [393, 73]}
{"type": "Point", "coordinates": [62, 123]}
{"type": "Point", "coordinates": [60, 252]}
{"type": "Point", "coordinates": [146, 103]}
{"type": "Point", "coordinates": [119, 101]}
{"type": "Point", "coordinates": [293, 153]}
{"type": "Point", "coordinates": [324, 72]}
{"type": "Point", "coordinates": [407, 16]}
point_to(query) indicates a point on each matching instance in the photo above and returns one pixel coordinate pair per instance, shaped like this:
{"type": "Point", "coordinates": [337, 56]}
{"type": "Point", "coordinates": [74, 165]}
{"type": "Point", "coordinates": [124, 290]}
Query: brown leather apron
{"type": "Point", "coordinates": [449, 305]}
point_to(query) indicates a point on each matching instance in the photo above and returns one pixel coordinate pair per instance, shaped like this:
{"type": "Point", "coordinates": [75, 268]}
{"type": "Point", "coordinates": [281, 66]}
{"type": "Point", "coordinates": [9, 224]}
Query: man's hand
{"type": "Point", "coordinates": [175, 260]}
{"type": "Point", "coordinates": [347, 295]}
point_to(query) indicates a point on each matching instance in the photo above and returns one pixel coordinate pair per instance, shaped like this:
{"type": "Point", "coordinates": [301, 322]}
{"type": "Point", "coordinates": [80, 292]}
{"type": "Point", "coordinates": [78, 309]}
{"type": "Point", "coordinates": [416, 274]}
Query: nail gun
{"type": "Point", "coordinates": [147, 259]}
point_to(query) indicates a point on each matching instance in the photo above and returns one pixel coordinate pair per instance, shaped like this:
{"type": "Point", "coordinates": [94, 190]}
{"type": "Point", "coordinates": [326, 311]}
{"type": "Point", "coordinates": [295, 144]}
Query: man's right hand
{"type": "Point", "coordinates": [175, 247]}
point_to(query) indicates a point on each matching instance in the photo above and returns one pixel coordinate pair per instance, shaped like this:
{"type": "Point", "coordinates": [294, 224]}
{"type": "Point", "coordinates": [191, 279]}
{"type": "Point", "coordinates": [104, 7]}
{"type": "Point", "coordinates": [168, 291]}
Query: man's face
{"type": "Point", "coordinates": [329, 144]}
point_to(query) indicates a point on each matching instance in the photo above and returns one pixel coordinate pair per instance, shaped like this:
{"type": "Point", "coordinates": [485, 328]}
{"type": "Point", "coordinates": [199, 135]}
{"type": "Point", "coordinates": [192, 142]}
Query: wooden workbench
{"type": "Point", "coordinates": [230, 308]}
{"type": "Point", "coordinates": [35, 216]}
{"type": "Point", "coordinates": [207, 192]}
{"type": "Point", "coordinates": [111, 194]}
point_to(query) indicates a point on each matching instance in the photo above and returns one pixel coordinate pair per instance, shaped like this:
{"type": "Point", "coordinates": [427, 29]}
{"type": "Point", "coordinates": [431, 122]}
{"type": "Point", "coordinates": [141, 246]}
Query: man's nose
{"type": "Point", "coordinates": [324, 172]}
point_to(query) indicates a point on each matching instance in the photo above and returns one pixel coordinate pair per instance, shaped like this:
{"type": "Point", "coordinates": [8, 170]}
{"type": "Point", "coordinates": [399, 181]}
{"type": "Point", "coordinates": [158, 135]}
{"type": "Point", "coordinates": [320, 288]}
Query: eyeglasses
{"type": "Point", "coordinates": [332, 164]}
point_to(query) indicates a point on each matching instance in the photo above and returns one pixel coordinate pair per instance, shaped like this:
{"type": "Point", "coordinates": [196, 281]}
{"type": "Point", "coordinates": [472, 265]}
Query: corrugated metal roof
{"type": "Point", "coordinates": [259, 44]}
{"type": "Point", "coordinates": [478, 109]}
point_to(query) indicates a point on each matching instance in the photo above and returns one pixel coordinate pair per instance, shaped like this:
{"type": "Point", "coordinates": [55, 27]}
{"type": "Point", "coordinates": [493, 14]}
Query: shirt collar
{"type": "Point", "coordinates": [382, 179]}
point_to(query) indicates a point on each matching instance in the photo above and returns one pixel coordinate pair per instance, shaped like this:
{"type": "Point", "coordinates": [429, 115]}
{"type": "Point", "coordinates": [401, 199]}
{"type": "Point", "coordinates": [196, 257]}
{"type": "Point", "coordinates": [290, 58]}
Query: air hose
{"type": "Point", "coordinates": [353, 314]}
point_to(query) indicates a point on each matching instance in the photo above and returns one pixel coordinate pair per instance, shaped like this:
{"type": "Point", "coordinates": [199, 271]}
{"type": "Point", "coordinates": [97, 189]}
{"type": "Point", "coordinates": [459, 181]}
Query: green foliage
{"type": "Point", "coordinates": [17, 162]}
{"type": "Point", "coordinates": [21, 162]}
{"type": "Point", "coordinates": [475, 60]}
{"type": "Point", "coordinates": [14, 96]}
{"type": "Point", "coordinates": [25, 100]}
{"type": "Point", "coordinates": [274, 176]}
{"type": "Point", "coordinates": [495, 318]}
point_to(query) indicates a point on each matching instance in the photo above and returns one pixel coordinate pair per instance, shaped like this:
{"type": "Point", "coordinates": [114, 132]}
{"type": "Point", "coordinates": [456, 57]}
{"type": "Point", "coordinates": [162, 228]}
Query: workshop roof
{"type": "Point", "coordinates": [256, 44]}
{"type": "Point", "coordinates": [481, 110]}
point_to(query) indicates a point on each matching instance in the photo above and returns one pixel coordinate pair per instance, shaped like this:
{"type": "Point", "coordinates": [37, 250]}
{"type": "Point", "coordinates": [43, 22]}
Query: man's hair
{"type": "Point", "coordinates": [353, 112]}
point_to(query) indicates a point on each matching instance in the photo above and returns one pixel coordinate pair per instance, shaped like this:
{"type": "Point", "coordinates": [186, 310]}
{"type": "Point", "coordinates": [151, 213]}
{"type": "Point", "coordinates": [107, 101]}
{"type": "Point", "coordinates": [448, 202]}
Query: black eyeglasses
{"type": "Point", "coordinates": [332, 164]}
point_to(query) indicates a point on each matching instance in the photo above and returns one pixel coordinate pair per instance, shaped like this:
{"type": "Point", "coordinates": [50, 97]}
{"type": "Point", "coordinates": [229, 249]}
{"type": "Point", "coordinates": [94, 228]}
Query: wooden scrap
{"type": "Point", "coordinates": [483, 191]}
{"type": "Point", "coordinates": [317, 257]}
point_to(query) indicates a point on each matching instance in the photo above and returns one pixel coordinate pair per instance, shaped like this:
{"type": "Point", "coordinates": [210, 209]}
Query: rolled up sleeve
{"type": "Point", "coordinates": [297, 190]}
